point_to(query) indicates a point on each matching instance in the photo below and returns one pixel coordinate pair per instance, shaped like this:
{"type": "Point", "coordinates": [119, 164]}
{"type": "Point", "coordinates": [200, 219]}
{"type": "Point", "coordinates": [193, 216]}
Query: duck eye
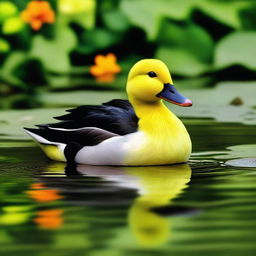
{"type": "Point", "coordinates": [152, 74]}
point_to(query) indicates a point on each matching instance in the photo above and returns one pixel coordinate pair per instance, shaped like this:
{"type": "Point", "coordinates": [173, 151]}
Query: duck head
{"type": "Point", "coordinates": [149, 81]}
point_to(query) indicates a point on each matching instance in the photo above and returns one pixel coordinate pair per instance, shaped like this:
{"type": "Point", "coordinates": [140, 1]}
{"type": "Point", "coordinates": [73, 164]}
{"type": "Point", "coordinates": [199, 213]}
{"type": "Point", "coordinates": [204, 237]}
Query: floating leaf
{"type": "Point", "coordinates": [243, 162]}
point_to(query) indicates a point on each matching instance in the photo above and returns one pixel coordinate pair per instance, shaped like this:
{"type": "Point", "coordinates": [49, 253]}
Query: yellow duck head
{"type": "Point", "coordinates": [149, 81]}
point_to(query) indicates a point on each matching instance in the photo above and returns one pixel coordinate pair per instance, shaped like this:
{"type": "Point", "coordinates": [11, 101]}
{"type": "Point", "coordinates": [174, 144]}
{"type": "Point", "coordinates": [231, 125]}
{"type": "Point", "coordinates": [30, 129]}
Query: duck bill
{"type": "Point", "coordinates": [169, 93]}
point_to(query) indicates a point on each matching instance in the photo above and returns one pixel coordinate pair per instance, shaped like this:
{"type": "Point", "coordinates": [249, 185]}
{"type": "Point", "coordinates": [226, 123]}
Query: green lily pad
{"type": "Point", "coordinates": [13, 121]}
{"type": "Point", "coordinates": [246, 151]}
{"type": "Point", "coordinates": [243, 162]}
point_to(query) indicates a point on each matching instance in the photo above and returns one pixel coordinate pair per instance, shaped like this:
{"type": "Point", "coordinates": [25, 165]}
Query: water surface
{"type": "Point", "coordinates": [199, 208]}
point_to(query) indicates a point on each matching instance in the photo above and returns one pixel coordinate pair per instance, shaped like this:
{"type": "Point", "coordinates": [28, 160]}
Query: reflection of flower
{"type": "Point", "coordinates": [49, 219]}
{"type": "Point", "coordinates": [105, 68]}
{"type": "Point", "coordinates": [37, 13]}
{"type": "Point", "coordinates": [37, 186]}
{"type": "Point", "coordinates": [42, 194]}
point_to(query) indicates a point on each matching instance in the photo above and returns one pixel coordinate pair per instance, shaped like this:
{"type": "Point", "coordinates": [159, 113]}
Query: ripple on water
{"type": "Point", "coordinates": [201, 208]}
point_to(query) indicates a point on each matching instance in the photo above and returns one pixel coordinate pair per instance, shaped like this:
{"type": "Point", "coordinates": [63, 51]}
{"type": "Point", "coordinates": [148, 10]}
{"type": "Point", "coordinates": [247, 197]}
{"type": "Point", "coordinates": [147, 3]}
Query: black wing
{"type": "Point", "coordinates": [115, 116]}
{"type": "Point", "coordinates": [87, 136]}
{"type": "Point", "coordinates": [74, 139]}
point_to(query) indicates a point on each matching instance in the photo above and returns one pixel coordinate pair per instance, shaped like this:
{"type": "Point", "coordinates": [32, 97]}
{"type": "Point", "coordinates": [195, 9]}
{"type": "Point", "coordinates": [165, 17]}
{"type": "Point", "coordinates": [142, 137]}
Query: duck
{"type": "Point", "coordinates": [140, 131]}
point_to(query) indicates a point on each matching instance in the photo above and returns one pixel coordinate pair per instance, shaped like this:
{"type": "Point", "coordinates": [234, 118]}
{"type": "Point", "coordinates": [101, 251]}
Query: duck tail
{"type": "Point", "coordinates": [53, 150]}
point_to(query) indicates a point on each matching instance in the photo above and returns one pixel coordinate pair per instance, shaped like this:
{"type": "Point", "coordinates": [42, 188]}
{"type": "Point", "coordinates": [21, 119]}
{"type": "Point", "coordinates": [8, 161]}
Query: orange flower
{"type": "Point", "coordinates": [105, 68]}
{"type": "Point", "coordinates": [37, 13]}
{"type": "Point", "coordinates": [49, 219]}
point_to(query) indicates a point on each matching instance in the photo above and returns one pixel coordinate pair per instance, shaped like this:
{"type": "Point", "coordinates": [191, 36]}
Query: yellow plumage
{"type": "Point", "coordinates": [53, 152]}
{"type": "Point", "coordinates": [167, 140]}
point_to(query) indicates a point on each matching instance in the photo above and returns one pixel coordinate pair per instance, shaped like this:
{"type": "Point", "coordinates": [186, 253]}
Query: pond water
{"type": "Point", "coordinates": [200, 208]}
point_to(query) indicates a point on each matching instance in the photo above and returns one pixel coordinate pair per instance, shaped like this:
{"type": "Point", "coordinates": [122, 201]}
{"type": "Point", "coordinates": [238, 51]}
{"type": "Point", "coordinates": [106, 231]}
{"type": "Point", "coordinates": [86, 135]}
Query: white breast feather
{"type": "Point", "coordinates": [111, 151]}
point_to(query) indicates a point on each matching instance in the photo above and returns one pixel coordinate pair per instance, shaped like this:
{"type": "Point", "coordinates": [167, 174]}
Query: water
{"type": "Point", "coordinates": [197, 209]}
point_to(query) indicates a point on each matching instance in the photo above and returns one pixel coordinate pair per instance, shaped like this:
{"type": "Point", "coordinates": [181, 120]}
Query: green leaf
{"type": "Point", "coordinates": [81, 12]}
{"type": "Point", "coordinates": [12, 62]}
{"type": "Point", "coordinates": [226, 12]}
{"type": "Point", "coordinates": [54, 53]}
{"type": "Point", "coordinates": [12, 25]}
{"type": "Point", "coordinates": [191, 38]}
{"type": "Point", "coordinates": [31, 72]}
{"type": "Point", "coordinates": [149, 14]}
{"type": "Point", "coordinates": [4, 45]}
{"type": "Point", "coordinates": [181, 62]}
{"type": "Point", "coordinates": [115, 20]}
{"type": "Point", "coordinates": [237, 48]}
{"type": "Point", "coordinates": [7, 9]}
{"type": "Point", "coordinates": [97, 39]}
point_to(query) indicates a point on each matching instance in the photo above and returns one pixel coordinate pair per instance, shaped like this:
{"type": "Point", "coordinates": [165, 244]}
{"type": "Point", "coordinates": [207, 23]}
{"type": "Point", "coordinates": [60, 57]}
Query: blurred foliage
{"type": "Point", "coordinates": [206, 40]}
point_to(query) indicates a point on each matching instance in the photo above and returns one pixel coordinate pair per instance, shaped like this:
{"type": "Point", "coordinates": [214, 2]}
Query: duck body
{"type": "Point", "coordinates": [141, 132]}
{"type": "Point", "coordinates": [152, 144]}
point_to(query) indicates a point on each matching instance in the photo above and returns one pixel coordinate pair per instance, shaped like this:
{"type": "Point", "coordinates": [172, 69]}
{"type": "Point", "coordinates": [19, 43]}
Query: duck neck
{"type": "Point", "coordinates": [155, 117]}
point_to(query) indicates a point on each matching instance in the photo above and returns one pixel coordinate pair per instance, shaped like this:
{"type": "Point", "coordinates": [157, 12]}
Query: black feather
{"type": "Point", "coordinates": [116, 116]}
{"type": "Point", "coordinates": [84, 137]}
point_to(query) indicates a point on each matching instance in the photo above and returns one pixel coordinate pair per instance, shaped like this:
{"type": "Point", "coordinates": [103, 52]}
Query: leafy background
{"type": "Point", "coordinates": [202, 41]}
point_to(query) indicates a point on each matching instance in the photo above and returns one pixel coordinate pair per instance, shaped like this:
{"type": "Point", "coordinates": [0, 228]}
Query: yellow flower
{"type": "Point", "coordinates": [105, 68]}
{"type": "Point", "coordinates": [37, 13]}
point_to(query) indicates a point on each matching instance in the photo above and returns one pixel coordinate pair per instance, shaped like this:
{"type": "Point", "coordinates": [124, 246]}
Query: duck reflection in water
{"type": "Point", "coordinates": [156, 187]}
